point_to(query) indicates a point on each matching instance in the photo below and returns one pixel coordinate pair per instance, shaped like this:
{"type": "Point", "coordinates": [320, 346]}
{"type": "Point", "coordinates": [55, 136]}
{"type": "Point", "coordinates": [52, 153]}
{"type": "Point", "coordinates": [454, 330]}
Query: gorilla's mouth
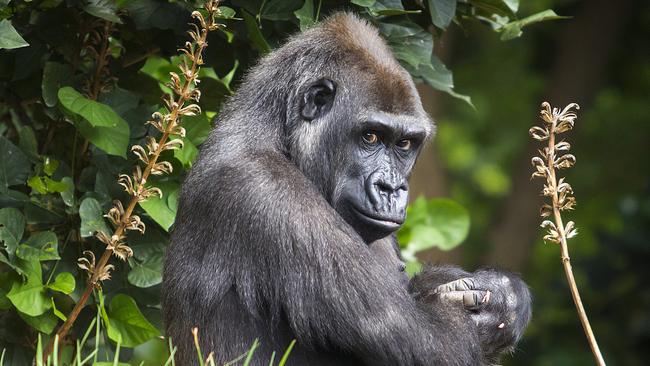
{"type": "Point", "coordinates": [385, 223]}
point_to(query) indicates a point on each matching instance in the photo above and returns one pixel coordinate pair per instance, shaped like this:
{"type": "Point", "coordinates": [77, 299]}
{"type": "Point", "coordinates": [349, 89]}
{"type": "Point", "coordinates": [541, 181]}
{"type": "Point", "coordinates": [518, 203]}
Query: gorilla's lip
{"type": "Point", "coordinates": [387, 223]}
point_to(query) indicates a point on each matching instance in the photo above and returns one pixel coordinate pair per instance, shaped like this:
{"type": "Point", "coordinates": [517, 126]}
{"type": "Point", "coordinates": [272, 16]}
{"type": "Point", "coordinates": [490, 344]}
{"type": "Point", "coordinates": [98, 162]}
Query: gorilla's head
{"type": "Point", "coordinates": [356, 123]}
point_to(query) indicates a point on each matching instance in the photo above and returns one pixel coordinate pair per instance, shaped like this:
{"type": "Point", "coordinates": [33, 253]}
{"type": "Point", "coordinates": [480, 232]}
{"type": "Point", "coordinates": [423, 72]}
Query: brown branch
{"type": "Point", "coordinates": [169, 124]}
{"type": "Point", "coordinates": [561, 195]}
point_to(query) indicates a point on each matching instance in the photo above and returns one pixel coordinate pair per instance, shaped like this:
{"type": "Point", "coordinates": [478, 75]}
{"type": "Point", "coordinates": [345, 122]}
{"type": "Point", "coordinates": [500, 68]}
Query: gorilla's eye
{"type": "Point", "coordinates": [370, 137]}
{"type": "Point", "coordinates": [404, 144]}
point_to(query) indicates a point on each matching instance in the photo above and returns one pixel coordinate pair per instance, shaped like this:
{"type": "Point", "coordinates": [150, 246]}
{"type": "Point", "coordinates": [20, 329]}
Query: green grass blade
{"type": "Point", "coordinates": [116, 359]}
{"type": "Point", "coordinates": [91, 355]}
{"type": "Point", "coordinates": [172, 352]}
{"type": "Point", "coordinates": [249, 357]}
{"type": "Point", "coordinates": [39, 351]}
{"type": "Point", "coordinates": [285, 357]}
{"type": "Point", "coordinates": [55, 351]}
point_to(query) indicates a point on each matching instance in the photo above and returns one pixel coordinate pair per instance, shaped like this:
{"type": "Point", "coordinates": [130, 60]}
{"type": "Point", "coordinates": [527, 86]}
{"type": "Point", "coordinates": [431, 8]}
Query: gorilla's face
{"type": "Point", "coordinates": [371, 151]}
{"type": "Point", "coordinates": [374, 188]}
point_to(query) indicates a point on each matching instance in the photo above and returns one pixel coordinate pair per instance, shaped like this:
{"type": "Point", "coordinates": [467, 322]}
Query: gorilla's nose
{"type": "Point", "coordinates": [387, 190]}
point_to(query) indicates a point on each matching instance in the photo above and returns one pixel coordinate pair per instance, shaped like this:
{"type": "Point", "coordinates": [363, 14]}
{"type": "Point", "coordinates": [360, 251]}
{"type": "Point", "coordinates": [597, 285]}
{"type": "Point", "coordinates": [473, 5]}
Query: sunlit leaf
{"type": "Point", "coordinates": [513, 29]}
{"type": "Point", "coordinates": [64, 282]}
{"type": "Point", "coordinates": [29, 296]}
{"type": "Point", "coordinates": [9, 37]}
{"type": "Point", "coordinates": [126, 324]}
{"type": "Point", "coordinates": [440, 223]}
{"type": "Point", "coordinates": [158, 208]}
{"type": "Point", "coordinates": [100, 124]}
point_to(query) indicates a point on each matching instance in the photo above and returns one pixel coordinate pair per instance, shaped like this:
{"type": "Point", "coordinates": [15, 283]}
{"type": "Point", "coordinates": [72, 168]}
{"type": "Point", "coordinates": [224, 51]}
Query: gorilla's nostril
{"type": "Point", "coordinates": [390, 187]}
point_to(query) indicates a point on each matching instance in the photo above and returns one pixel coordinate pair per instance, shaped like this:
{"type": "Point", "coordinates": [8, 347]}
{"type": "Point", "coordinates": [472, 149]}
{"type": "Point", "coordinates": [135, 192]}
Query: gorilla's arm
{"type": "Point", "coordinates": [274, 225]}
{"type": "Point", "coordinates": [498, 302]}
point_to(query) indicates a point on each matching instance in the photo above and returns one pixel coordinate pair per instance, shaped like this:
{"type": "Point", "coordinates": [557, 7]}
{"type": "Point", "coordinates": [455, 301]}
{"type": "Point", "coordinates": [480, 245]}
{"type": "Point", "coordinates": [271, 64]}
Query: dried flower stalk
{"type": "Point", "coordinates": [552, 158]}
{"type": "Point", "coordinates": [181, 103]}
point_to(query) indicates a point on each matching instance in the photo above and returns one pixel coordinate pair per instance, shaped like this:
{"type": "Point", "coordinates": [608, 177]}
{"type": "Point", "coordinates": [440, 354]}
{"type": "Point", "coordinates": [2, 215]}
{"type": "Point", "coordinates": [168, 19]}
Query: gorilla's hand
{"type": "Point", "coordinates": [497, 302]}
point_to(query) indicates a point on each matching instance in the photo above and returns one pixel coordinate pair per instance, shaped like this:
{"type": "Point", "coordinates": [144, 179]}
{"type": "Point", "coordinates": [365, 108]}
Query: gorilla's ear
{"type": "Point", "coordinates": [317, 99]}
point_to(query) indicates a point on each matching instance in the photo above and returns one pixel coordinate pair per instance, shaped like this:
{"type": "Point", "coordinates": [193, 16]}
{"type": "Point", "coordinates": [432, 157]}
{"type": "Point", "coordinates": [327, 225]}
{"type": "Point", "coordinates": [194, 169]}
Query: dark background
{"type": "Point", "coordinates": [481, 158]}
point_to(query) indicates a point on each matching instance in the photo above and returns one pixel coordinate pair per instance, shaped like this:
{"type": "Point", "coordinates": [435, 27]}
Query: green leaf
{"type": "Point", "coordinates": [68, 194]}
{"type": "Point", "coordinates": [14, 165]}
{"type": "Point", "coordinates": [438, 76]}
{"type": "Point", "coordinates": [513, 29]}
{"type": "Point", "coordinates": [440, 223]}
{"type": "Point", "coordinates": [159, 208]}
{"type": "Point", "coordinates": [104, 9]}
{"type": "Point", "coordinates": [55, 76]}
{"type": "Point", "coordinates": [411, 44]}
{"type": "Point", "coordinates": [64, 282]}
{"type": "Point", "coordinates": [97, 114]}
{"type": "Point", "coordinates": [389, 12]}
{"type": "Point", "coordinates": [126, 323]}
{"type": "Point", "coordinates": [306, 15]}
{"type": "Point", "coordinates": [100, 124]}
{"type": "Point", "coordinates": [29, 297]}
{"type": "Point", "coordinates": [255, 34]}
{"type": "Point", "coordinates": [58, 312]}
{"type": "Point", "coordinates": [442, 12]}
{"type": "Point", "coordinates": [226, 12]}
{"type": "Point", "coordinates": [413, 268]}
{"type": "Point", "coordinates": [148, 273]}
{"type": "Point", "coordinates": [197, 128]}
{"type": "Point", "coordinates": [42, 246]}
{"type": "Point", "coordinates": [12, 225]}
{"type": "Point", "coordinates": [187, 154]}
{"type": "Point", "coordinates": [44, 323]}
{"type": "Point", "coordinates": [112, 140]}
{"type": "Point", "coordinates": [364, 3]}
{"type": "Point", "coordinates": [44, 185]}
{"type": "Point", "coordinates": [27, 142]}
{"type": "Point", "coordinates": [513, 5]}
{"type": "Point", "coordinates": [9, 37]}
{"type": "Point", "coordinates": [92, 219]}
{"type": "Point", "coordinates": [50, 165]}
{"type": "Point", "coordinates": [489, 9]}
{"type": "Point", "coordinates": [279, 10]}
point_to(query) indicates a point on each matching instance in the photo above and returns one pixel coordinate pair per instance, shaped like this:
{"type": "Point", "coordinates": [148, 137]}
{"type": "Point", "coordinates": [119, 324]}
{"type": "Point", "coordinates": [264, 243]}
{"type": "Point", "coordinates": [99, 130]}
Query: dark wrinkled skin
{"type": "Point", "coordinates": [285, 223]}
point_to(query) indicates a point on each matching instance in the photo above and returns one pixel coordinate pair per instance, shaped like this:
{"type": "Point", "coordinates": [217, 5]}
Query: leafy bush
{"type": "Point", "coordinates": [78, 81]}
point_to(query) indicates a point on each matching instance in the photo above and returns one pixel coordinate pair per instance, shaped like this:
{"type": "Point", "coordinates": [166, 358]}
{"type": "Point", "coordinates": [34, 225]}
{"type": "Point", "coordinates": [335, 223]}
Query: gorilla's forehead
{"type": "Point", "coordinates": [369, 61]}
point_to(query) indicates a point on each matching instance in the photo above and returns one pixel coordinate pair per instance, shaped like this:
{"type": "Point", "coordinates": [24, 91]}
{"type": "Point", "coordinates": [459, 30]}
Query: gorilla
{"type": "Point", "coordinates": [285, 222]}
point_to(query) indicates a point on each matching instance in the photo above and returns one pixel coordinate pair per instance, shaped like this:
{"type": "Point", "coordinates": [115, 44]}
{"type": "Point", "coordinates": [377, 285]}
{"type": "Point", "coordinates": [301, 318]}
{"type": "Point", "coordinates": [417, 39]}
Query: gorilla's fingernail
{"type": "Point", "coordinates": [486, 298]}
{"type": "Point", "coordinates": [502, 325]}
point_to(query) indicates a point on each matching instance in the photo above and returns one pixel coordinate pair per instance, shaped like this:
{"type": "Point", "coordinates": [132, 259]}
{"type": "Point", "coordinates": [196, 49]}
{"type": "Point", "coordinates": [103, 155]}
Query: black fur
{"type": "Point", "coordinates": [266, 245]}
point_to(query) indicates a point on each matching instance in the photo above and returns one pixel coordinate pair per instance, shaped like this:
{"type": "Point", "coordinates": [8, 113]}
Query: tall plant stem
{"type": "Point", "coordinates": [564, 252]}
{"type": "Point", "coordinates": [174, 114]}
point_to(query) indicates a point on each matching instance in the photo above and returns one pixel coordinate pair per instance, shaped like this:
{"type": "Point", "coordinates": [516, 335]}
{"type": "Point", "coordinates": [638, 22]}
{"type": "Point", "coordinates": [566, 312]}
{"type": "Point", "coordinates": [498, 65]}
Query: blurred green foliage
{"type": "Point", "coordinates": [485, 152]}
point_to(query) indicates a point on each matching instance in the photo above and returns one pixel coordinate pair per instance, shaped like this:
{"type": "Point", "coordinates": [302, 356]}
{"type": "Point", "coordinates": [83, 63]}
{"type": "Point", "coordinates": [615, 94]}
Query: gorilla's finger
{"type": "Point", "coordinates": [471, 299]}
{"type": "Point", "coordinates": [463, 284]}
